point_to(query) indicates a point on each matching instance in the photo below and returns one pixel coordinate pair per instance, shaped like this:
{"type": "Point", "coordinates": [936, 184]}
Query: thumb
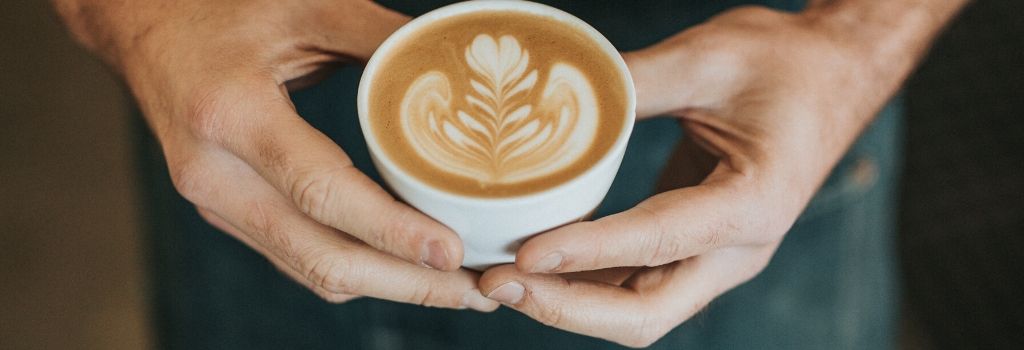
{"type": "Point", "coordinates": [668, 227]}
{"type": "Point", "coordinates": [350, 28]}
{"type": "Point", "coordinates": [681, 73]}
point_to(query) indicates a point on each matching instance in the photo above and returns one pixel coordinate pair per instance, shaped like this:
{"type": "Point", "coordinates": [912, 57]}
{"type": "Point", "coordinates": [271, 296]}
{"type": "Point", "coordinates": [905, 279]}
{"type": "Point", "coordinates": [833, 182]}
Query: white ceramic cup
{"type": "Point", "coordinates": [492, 229]}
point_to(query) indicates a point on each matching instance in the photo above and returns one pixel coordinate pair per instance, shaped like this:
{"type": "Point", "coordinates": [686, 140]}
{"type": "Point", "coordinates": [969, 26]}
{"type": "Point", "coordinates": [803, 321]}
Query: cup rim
{"type": "Point", "coordinates": [372, 66]}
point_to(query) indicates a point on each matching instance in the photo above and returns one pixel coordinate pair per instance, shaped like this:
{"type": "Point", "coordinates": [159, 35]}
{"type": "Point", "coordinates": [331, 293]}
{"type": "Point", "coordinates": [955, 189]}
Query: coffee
{"type": "Point", "coordinates": [497, 103]}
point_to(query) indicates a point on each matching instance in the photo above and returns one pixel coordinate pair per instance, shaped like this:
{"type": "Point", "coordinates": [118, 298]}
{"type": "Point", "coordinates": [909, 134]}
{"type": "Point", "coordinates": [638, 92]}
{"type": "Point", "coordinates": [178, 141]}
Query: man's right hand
{"type": "Point", "coordinates": [212, 79]}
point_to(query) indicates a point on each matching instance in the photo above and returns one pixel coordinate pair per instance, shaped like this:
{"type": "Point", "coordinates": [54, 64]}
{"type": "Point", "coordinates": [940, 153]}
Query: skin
{"type": "Point", "coordinates": [212, 79]}
{"type": "Point", "coordinates": [772, 99]}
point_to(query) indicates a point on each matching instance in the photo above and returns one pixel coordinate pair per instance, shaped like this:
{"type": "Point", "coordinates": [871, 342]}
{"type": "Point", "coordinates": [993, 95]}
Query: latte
{"type": "Point", "coordinates": [497, 103]}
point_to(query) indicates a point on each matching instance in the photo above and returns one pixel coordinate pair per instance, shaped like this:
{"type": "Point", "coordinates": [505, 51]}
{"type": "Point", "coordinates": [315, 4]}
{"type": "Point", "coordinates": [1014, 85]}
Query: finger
{"type": "Point", "coordinates": [682, 72]}
{"type": "Point", "coordinates": [614, 276]}
{"type": "Point", "coordinates": [350, 28]}
{"type": "Point", "coordinates": [668, 227]}
{"type": "Point", "coordinates": [310, 169]}
{"type": "Point", "coordinates": [644, 309]}
{"type": "Point", "coordinates": [325, 257]}
{"type": "Point", "coordinates": [569, 304]}
{"type": "Point", "coordinates": [233, 231]}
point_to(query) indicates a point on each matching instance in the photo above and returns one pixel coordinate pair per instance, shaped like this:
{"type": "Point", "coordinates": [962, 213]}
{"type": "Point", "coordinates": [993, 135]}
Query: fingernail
{"type": "Point", "coordinates": [476, 301]}
{"type": "Point", "coordinates": [549, 263]}
{"type": "Point", "coordinates": [434, 255]}
{"type": "Point", "coordinates": [509, 293]}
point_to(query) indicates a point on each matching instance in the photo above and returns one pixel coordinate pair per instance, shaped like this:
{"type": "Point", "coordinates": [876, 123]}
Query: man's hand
{"type": "Point", "coordinates": [775, 99]}
{"type": "Point", "coordinates": [212, 79]}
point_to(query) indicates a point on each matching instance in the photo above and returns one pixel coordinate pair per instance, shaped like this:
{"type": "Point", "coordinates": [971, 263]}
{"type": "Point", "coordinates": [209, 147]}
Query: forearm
{"type": "Point", "coordinates": [873, 47]}
{"type": "Point", "coordinates": [909, 23]}
{"type": "Point", "coordinates": [892, 36]}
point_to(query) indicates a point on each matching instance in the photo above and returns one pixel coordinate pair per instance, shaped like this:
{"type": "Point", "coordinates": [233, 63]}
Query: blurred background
{"type": "Point", "coordinates": [72, 267]}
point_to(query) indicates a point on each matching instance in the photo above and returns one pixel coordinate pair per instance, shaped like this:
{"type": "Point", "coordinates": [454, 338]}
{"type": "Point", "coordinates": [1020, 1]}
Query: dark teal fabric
{"type": "Point", "coordinates": [830, 286]}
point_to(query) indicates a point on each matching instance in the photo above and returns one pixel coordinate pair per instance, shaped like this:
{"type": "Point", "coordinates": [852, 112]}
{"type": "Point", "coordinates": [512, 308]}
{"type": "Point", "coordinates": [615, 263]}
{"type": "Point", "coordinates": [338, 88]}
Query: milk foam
{"type": "Point", "coordinates": [503, 137]}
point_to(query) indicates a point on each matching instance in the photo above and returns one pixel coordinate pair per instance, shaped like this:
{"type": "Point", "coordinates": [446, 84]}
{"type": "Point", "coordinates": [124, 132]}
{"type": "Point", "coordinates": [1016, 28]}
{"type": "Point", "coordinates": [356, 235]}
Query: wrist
{"type": "Point", "coordinates": [890, 36]}
{"type": "Point", "coordinates": [880, 43]}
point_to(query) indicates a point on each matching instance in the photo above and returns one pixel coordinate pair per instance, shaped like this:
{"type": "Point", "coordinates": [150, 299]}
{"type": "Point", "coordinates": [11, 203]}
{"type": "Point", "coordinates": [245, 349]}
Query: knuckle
{"type": "Point", "coordinates": [268, 228]}
{"type": "Point", "coordinates": [429, 291]}
{"type": "Point", "coordinates": [260, 221]}
{"type": "Point", "coordinates": [312, 190]}
{"type": "Point", "coordinates": [550, 314]}
{"type": "Point", "coordinates": [398, 228]}
{"type": "Point", "coordinates": [424, 296]}
{"type": "Point", "coordinates": [323, 294]}
{"type": "Point", "coordinates": [665, 249]}
{"type": "Point", "coordinates": [550, 317]}
{"type": "Point", "coordinates": [204, 115]}
{"type": "Point", "coordinates": [719, 232]}
{"type": "Point", "coordinates": [664, 246]}
{"type": "Point", "coordinates": [211, 107]}
{"type": "Point", "coordinates": [334, 273]}
{"type": "Point", "coordinates": [710, 238]}
{"type": "Point", "coordinates": [189, 179]}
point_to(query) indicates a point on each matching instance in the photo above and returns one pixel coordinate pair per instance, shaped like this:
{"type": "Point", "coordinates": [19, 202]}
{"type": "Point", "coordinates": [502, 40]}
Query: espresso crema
{"type": "Point", "coordinates": [497, 103]}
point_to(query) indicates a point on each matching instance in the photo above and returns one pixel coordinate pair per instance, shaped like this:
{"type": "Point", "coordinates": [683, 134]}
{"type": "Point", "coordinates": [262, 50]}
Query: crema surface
{"type": "Point", "coordinates": [497, 103]}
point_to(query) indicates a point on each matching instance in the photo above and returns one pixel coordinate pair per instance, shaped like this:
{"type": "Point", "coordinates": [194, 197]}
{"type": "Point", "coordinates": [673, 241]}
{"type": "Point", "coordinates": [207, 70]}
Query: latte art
{"type": "Point", "coordinates": [496, 103]}
{"type": "Point", "coordinates": [504, 136]}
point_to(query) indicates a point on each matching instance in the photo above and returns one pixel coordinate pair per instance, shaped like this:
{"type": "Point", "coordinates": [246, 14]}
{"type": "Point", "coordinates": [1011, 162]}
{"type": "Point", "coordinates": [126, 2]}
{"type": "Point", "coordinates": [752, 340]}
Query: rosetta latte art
{"type": "Point", "coordinates": [501, 135]}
